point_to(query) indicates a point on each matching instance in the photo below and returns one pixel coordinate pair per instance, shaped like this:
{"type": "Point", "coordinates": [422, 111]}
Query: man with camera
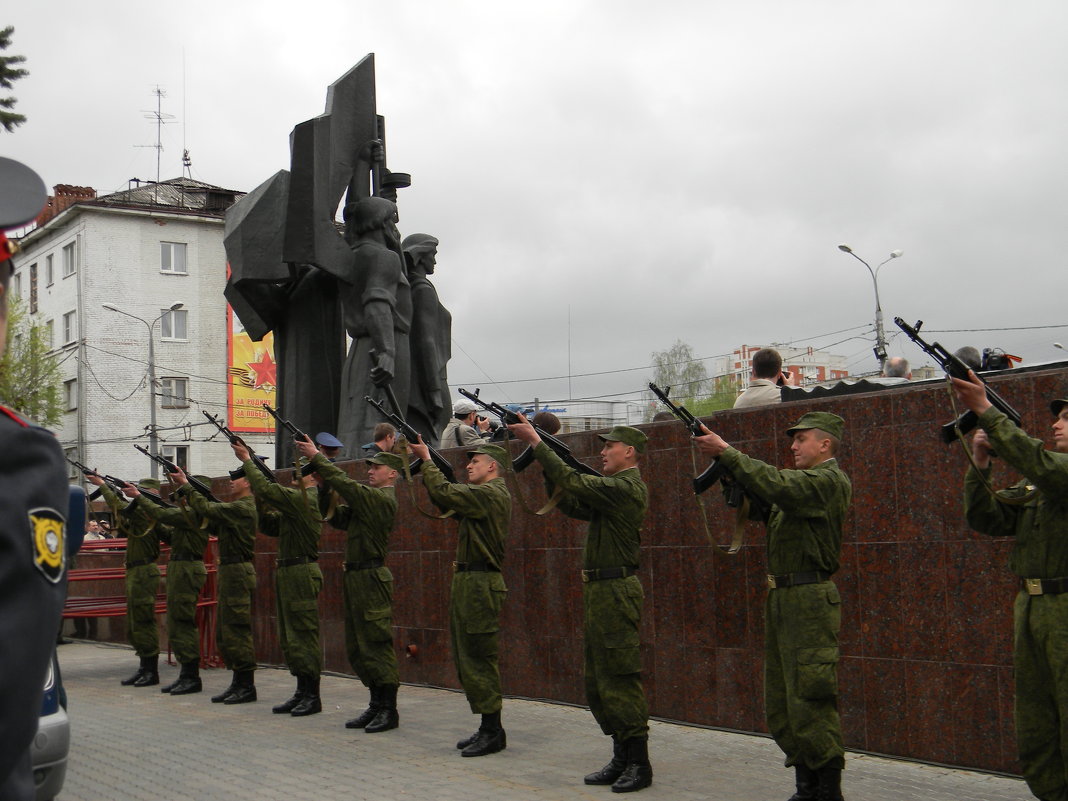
{"type": "Point", "coordinates": [466, 429]}
{"type": "Point", "coordinates": [768, 379]}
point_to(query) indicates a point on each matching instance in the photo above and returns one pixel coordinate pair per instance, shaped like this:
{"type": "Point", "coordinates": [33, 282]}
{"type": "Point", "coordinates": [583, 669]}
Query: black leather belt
{"type": "Point", "coordinates": [1054, 586]}
{"type": "Point", "coordinates": [795, 579]}
{"type": "Point", "coordinates": [602, 573]}
{"type": "Point", "coordinates": [365, 565]}
{"type": "Point", "coordinates": [474, 567]}
{"type": "Point", "coordinates": [295, 560]}
{"type": "Point", "coordinates": [186, 557]}
{"type": "Point", "coordinates": [232, 560]}
{"type": "Point", "coordinates": [139, 562]}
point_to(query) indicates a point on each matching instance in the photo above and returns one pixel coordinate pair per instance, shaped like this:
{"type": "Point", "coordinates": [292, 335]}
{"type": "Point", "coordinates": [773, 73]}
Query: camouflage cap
{"type": "Point", "coordinates": [824, 421]}
{"type": "Point", "coordinates": [390, 460]}
{"type": "Point", "coordinates": [496, 452]}
{"type": "Point", "coordinates": [628, 436]}
{"type": "Point", "coordinates": [1057, 405]}
{"type": "Point", "coordinates": [149, 483]}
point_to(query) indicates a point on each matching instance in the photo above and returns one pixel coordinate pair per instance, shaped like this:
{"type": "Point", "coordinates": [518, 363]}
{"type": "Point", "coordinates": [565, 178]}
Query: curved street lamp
{"type": "Point", "coordinates": [880, 336]}
{"type": "Point", "coordinates": [153, 441]}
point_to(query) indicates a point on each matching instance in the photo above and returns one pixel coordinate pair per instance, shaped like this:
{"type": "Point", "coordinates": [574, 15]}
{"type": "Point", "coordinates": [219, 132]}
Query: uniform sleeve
{"type": "Point", "coordinates": [353, 492]}
{"type": "Point", "coordinates": [220, 511]}
{"type": "Point", "coordinates": [270, 491]}
{"type": "Point", "coordinates": [584, 494]}
{"type": "Point", "coordinates": [465, 499]}
{"type": "Point", "coordinates": [985, 513]}
{"type": "Point", "coordinates": [790, 490]}
{"type": "Point", "coordinates": [1047, 470]}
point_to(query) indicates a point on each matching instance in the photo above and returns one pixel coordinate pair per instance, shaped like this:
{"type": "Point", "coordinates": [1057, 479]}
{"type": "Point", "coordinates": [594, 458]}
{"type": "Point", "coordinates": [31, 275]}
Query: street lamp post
{"type": "Point", "coordinates": [880, 335]}
{"type": "Point", "coordinates": [153, 439]}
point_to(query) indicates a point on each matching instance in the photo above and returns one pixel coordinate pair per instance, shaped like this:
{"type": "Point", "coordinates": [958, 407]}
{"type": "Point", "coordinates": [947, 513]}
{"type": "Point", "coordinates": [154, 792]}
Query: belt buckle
{"type": "Point", "coordinates": [455, 566]}
{"type": "Point", "coordinates": [1033, 586]}
{"type": "Point", "coordinates": [771, 582]}
{"type": "Point", "coordinates": [585, 576]}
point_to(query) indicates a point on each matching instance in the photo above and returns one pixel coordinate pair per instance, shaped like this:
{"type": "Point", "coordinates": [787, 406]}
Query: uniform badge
{"type": "Point", "coordinates": [47, 529]}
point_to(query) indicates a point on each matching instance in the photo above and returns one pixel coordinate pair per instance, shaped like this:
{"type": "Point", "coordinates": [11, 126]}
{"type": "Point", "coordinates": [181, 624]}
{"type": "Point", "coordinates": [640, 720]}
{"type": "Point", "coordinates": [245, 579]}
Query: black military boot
{"type": "Point", "coordinates": [246, 688]}
{"type": "Point", "coordinates": [639, 773]}
{"type": "Point", "coordinates": [387, 717]}
{"type": "Point", "coordinates": [610, 772]}
{"type": "Point", "coordinates": [133, 679]}
{"type": "Point", "coordinates": [807, 784]}
{"type": "Point", "coordinates": [368, 714]}
{"type": "Point", "coordinates": [489, 739]}
{"type": "Point", "coordinates": [149, 672]}
{"type": "Point", "coordinates": [287, 706]}
{"type": "Point", "coordinates": [188, 680]}
{"type": "Point", "coordinates": [830, 784]}
{"type": "Point", "coordinates": [218, 699]}
{"type": "Point", "coordinates": [311, 703]}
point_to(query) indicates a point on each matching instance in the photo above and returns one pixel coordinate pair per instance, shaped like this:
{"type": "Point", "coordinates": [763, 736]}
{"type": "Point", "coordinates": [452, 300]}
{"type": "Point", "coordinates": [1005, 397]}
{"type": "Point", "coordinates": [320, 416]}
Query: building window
{"type": "Point", "coordinates": [50, 334]}
{"type": "Point", "coordinates": [174, 393]}
{"type": "Point", "coordinates": [172, 257]}
{"type": "Point", "coordinates": [70, 394]}
{"type": "Point", "coordinates": [73, 472]}
{"type": "Point", "coordinates": [33, 288]}
{"type": "Point", "coordinates": [172, 324]}
{"type": "Point", "coordinates": [70, 259]}
{"type": "Point", "coordinates": [70, 327]}
{"type": "Point", "coordinates": [179, 454]}
{"type": "Point", "coordinates": [50, 271]}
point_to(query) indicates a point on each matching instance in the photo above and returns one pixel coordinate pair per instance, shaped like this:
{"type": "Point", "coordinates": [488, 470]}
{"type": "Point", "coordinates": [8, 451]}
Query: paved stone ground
{"type": "Point", "coordinates": [129, 745]}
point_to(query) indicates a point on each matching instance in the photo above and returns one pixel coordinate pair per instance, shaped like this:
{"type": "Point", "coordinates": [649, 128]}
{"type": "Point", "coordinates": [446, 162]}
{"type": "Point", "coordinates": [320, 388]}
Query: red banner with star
{"type": "Point", "coordinates": [252, 378]}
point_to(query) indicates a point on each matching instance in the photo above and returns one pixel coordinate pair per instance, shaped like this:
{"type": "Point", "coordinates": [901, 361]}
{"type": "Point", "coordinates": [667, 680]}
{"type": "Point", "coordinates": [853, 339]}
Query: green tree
{"type": "Point", "coordinates": [29, 374]}
{"type": "Point", "coordinates": [678, 369]}
{"type": "Point", "coordinates": [9, 73]}
{"type": "Point", "coordinates": [724, 393]}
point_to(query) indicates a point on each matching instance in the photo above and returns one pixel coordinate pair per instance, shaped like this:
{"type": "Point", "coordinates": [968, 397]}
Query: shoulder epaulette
{"type": "Point", "coordinates": [7, 412]}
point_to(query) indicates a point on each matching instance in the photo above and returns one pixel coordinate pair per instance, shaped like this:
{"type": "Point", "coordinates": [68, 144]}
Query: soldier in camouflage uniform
{"type": "Point", "coordinates": [483, 509]}
{"type": "Point", "coordinates": [234, 523]}
{"type": "Point", "coordinates": [291, 514]}
{"type": "Point", "coordinates": [142, 578]}
{"type": "Point", "coordinates": [1035, 512]}
{"type": "Point", "coordinates": [802, 613]}
{"type": "Point", "coordinates": [368, 520]}
{"type": "Point", "coordinates": [614, 505]}
{"type": "Point", "coordinates": [186, 575]}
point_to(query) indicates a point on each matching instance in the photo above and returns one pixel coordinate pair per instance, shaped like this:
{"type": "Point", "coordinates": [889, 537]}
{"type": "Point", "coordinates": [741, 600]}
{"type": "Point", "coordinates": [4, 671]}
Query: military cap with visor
{"type": "Point", "coordinates": [495, 452]}
{"type": "Point", "coordinates": [824, 421]}
{"type": "Point", "coordinates": [628, 436]}
{"type": "Point", "coordinates": [390, 460]}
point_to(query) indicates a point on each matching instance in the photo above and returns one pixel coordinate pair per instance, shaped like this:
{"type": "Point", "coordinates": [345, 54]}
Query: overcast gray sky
{"type": "Point", "coordinates": [650, 172]}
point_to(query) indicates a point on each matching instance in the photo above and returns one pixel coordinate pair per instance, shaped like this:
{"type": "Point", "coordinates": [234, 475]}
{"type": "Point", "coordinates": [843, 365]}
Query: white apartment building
{"type": "Point", "coordinates": [91, 266]}
{"type": "Point", "coordinates": [814, 366]}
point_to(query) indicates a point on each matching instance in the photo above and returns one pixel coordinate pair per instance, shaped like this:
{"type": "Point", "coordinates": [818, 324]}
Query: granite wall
{"type": "Point", "coordinates": [926, 634]}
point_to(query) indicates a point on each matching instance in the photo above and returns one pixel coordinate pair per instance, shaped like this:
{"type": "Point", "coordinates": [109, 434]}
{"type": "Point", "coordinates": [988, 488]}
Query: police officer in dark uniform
{"type": "Point", "coordinates": [34, 499]}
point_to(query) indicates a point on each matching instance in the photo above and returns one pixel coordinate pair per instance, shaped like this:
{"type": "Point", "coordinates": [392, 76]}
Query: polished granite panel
{"type": "Point", "coordinates": [925, 670]}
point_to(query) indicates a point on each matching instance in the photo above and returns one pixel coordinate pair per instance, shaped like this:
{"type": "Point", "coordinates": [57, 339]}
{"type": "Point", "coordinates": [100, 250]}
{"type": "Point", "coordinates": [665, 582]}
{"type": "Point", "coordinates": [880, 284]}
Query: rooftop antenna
{"type": "Point", "coordinates": [161, 120]}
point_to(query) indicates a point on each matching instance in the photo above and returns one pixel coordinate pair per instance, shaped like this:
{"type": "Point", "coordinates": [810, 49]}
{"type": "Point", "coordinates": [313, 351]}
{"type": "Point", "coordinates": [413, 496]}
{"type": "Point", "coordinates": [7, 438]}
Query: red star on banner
{"type": "Point", "coordinates": [265, 371]}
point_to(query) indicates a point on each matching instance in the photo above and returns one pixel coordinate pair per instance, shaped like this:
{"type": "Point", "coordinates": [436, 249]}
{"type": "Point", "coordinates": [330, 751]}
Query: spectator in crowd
{"type": "Point", "coordinates": [768, 378]}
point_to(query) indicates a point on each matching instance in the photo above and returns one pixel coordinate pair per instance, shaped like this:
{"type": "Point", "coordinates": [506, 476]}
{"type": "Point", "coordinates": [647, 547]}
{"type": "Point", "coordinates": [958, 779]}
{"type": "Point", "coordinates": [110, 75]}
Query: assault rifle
{"type": "Point", "coordinates": [526, 458]}
{"type": "Point", "coordinates": [171, 467]}
{"type": "Point", "coordinates": [734, 492]}
{"type": "Point", "coordinates": [235, 439]}
{"type": "Point", "coordinates": [116, 484]}
{"type": "Point", "coordinates": [298, 435]}
{"type": "Point", "coordinates": [412, 435]}
{"type": "Point", "coordinates": [958, 369]}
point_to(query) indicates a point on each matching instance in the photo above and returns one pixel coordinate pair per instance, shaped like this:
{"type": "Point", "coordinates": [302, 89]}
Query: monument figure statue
{"type": "Point", "coordinates": [431, 340]}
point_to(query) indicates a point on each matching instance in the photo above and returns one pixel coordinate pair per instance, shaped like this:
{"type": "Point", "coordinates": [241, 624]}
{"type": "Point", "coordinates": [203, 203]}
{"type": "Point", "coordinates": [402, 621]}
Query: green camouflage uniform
{"type": "Point", "coordinates": [368, 583]}
{"type": "Point", "coordinates": [142, 573]}
{"type": "Point", "coordinates": [234, 523]}
{"type": "Point", "coordinates": [1040, 622]}
{"type": "Point", "coordinates": [186, 574]}
{"type": "Point", "coordinates": [615, 507]}
{"type": "Point", "coordinates": [801, 622]}
{"type": "Point", "coordinates": [294, 519]}
{"type": "Point", "coordinates": [475, 602]}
